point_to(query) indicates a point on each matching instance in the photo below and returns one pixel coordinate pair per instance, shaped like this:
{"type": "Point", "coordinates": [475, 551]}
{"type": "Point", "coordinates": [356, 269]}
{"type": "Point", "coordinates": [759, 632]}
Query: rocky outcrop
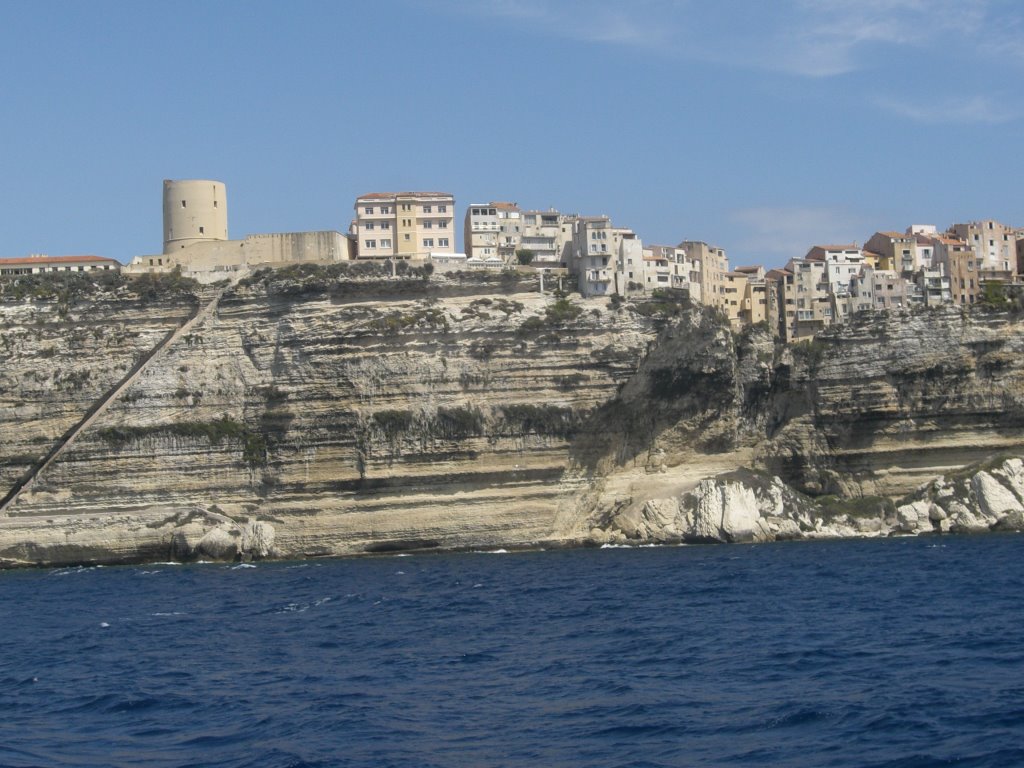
{"type": "Point", "coordinates": [313, 414]}
{"type": "Point", "coordinates": [743, 507]}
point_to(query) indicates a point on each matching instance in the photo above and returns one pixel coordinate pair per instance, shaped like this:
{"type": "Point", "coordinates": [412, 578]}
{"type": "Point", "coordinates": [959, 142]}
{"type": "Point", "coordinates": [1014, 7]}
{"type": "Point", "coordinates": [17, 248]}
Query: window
{"type": "Point", "coordinates": [214, 203]}
{"type": "Point", "coordinates": [406, 207]}
{"type": "Point", "coordinates": [427, 209]}
{"type": "Point", "coordinates": [200, 230]}
{"type": "Point", "coordinates": [428, 224]}
{"type": "Point", "coordinates": [369, 225]}
{"type": "Point", "coordinates": [371, 243]}
{"type": "Point", "coordinates": [385, 209]}
{"type": "Point", "coordinates": [476, 211]}
{"type": "Point", "coordinates": [442, 209]}
{"type": "Point", "coordinates": [428, 242]}
{"type": "Point", "coordinates": [368, 211]}
{"type": "Point", "coordinates": [407, 237]}
{"type": "Point", "coordinates": [182, 203]}
{"type": "Point", "coordinates": [442, 224]}
{"type": "Point", "coordinates": [385, 243]}
{"type": "Point", "coordinates": [385, 225]}
{"type": "Point", "coordinates": [443, 242]}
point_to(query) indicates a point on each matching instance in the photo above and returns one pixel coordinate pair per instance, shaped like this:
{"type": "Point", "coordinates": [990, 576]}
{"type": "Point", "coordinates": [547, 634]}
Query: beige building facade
{"type": "Point", "coordinates": [994, 244]}
{"type": "Point", "coordinates": [714, 265]}
{"type": "Point", "coordinates": [407, 225]}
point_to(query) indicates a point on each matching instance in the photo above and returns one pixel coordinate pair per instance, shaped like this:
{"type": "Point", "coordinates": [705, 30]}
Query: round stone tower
{"type": "Point", "coordinates": [195, 211]}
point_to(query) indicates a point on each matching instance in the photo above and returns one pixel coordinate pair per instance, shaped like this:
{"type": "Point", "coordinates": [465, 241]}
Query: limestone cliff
{"type": "Point", "coordinates": [317, 413]}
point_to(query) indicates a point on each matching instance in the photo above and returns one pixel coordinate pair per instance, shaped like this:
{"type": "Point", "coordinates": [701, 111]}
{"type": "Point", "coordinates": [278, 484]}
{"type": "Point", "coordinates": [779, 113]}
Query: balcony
{"type": "Point", "coordinates": [598, 275]}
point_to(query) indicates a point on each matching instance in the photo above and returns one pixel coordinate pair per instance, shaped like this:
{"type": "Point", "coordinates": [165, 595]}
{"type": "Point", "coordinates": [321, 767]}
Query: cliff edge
{"type": "Point", "coordinates": [316, 413]}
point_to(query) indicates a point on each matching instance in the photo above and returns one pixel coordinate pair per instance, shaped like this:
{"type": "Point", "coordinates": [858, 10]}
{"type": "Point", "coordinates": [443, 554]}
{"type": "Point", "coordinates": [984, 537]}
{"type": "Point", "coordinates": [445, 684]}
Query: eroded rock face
{"type": "Point", "coordinates": [416, 414]}
{"type": "Point", "coordinates": [332, 422]}
{"type": "Point", "coordinates": [748, 507]}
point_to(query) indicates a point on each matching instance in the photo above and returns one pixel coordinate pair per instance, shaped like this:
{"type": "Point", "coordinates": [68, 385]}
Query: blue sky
{"type": "Point", "coordinates": [762, 127]}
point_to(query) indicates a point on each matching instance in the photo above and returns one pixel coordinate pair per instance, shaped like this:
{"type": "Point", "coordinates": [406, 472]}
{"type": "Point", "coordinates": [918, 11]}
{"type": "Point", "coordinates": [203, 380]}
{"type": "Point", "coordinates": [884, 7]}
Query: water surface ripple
{"type": "Point", "coordinates": [900, 652]}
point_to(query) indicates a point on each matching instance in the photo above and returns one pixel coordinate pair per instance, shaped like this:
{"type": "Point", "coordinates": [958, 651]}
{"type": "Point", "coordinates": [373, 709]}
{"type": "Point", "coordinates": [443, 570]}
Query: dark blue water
{"type": "Point", "coordinates": [903, 652]}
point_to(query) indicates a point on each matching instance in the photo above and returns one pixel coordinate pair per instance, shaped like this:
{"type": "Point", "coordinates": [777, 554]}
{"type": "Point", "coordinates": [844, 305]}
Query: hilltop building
{"type": "Point", "coordinates": [38, 264]}
{"type": "Point", "coordinates": [713, 267]}
{"type": "Point", "coordinates": [492, 232]}
{"type": "Point", "coordinates": [196, 238]}
{"type": "Point", "coordinates": [405, 225]}
{"type": "Point", "coordinates": [668, 266]}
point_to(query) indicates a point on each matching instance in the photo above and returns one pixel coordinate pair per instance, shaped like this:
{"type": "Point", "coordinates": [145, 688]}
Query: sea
{"type": "Point", "coordinates": [872, 652]}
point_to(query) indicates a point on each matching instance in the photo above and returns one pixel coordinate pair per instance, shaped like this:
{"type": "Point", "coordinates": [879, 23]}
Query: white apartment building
{"type": "Point", "coordinates": [842, 264]}
{"type": "Point", "coordinates": [407, 225]}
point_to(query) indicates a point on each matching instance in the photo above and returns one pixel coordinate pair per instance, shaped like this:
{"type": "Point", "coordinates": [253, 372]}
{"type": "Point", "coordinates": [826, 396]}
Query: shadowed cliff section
{"type": "Point", "coordinates": [339, 412]}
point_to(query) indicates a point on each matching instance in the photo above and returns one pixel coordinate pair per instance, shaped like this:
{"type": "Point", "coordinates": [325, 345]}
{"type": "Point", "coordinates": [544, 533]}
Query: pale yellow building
{"type": "Point", "coordinates": [714, 265]}
{"type": "Point", "coordinates": [407, 225]}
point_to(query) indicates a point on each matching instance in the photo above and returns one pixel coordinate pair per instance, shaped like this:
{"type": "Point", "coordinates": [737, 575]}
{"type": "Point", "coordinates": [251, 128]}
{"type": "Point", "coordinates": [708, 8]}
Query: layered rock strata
{"type": "Point", "coordinates": [329, 416]}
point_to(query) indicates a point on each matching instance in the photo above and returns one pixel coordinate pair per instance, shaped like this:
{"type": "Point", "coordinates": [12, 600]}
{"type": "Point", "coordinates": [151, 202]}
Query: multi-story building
{"type": "Point", "coordinates": [924, 250]}
{"type": "Point", "coordinates": [806, 299]}
{"type": "Point", "coordinates": [714, 265]}
{"type": "Point", "coordinates": [666, 266]}
{"type": "Point", "coordinates": [38, 264]}
{"type": "Point", "coordinates": [754, 308]}
{"type": "Point", "coordinates": [601, 254]}
{"type": "Point", "coordinates": [404, 224]}
{"type": "Point", "coordinates": [994, 244]}
{"type": "Point", "coordinates": [897, 249]}
{"type": "Point", "coordinates": [842, 262]}
{"type": "Point", "coordinates": [548, 235]}
{"type": "Point", "coordinates": [492, 231]}
{"type": "Point", "coordinates": [959, 261]}
{"type": "Point", "coordinates": [888, 289]}
{"type": "Point", "coordinates": [732, 295]}
{"type": "Point", "coordinates": [933, 285]}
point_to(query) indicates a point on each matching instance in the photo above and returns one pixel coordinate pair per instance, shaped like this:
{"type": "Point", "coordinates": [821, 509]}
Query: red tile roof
{"type": "Point", "coordinates": [35, 260]}
{"type": "Point", "coordinates": [383, 195]}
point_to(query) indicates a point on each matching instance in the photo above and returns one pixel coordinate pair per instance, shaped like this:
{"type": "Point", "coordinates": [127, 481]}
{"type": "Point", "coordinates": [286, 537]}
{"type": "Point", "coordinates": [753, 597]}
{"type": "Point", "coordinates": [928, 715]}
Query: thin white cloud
{"type": "Point", "coordinates": [982, 110]}
{"type": "Point", "coordinates": [841, 36]}
{"type": "Point", "coordinates": [778, 233]}
{"type": "Point", "coordinates": [642, 23]}
{"type": "Point", "coordinates": [807, 38]}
